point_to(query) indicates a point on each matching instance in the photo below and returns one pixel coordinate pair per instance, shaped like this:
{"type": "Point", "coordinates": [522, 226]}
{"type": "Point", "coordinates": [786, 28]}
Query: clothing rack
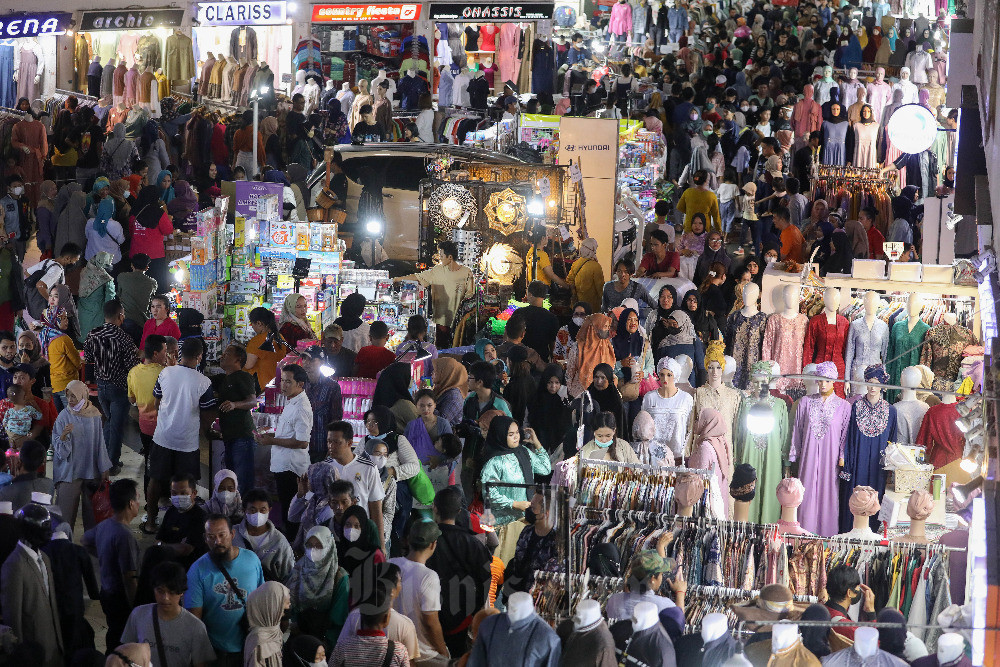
{"type": "Point", "coordinates": [704, 472]}
{"type": "Point", "coordinates": [628, 486]}
{"type": "Point", "coordinates": [932, 547]}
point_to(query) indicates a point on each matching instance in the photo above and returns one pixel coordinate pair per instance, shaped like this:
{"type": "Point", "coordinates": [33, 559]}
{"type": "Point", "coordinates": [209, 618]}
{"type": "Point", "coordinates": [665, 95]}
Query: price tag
{"type": "Point", "coordinates": [575, 174]}
{"type": "Point", "coordinates": [544, 187]}
{"type": "Point", "coordinates": [887, 513]}
{"type": "Point", "coordinates": [892, 249]}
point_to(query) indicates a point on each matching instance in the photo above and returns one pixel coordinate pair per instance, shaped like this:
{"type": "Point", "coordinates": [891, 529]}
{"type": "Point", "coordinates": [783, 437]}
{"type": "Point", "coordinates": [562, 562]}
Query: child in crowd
{"type": "Point", "coordinates": [18, 416]}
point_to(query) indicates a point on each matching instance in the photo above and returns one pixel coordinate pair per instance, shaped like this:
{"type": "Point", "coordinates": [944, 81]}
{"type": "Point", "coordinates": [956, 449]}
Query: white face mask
{"type": "Point", "coordinates": [17, 191]}
{"type": "Point", "coordinates": [352, 534]}
{"type": "Point", "coordinates": [181, 502]}
{"type": "Point", "coordinates": [257, 519]}
{"type": "Point", "coordinates": [316, 555]}
{"type": "Point", "coordinates": [226, 496]}
{"type": "Point", "coordinates": [321, 663]}
{"type": "Point", "coordinates": [578, 321]}
{"type": "Point", "coordinates": [379, 461]}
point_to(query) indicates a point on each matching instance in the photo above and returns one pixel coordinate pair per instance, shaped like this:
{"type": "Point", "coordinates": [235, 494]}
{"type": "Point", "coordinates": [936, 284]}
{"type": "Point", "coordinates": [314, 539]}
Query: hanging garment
{"type": "Point", "coordinates": [826, 342]}
{"type": "Point", "coordinates": [471, 40]}
{"type": "Point", "coordinates": [542, 67]}
{"type": "Point", "coordinates": [943, 353]}
{"type": "Point", "coordinates": [94, 73]}
{"type": "Point", "coordinates": [818, 437]}
{"type": "Point", "coordinates": [767, 453]}
{"type": "Point", "coordinates": [179, 64]}
{"type": "Point", "coordinates": [537, 644]}
{"type": "Point", "coordinates": [783, 342]}
{"type": "Point", "coordinates": [871, 429]}
{"type": "Point", "coordinates": [725, 399]}
{"type": "Point", "coordinates": [865, 149]}
{"type": "Point", "coordinates": [621, 19]}
{"type": "Point", "coordinates": [108, 79]}
{"type": "Point", "coordinates": [27, 71]}
{"type": "Point", "coordinates": [478, 91]}
{"type": "Point", "coordinates": [508, 49]}
{"type": "Point", "coordinates": [243, 43]}
{"type": "Point", "coordinates": [488, 37]}
{"type": "Point", "coordinates": [744, 335]}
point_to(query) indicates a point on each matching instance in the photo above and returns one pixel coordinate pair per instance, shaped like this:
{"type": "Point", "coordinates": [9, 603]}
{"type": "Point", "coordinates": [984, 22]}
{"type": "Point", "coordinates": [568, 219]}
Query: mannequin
{"type": "Point", "coordinates": [312, 94]}
{"type": "Point", "coordinates": [919, 62]}
{"type": "Point", "coordinates": [835, 136]}
{"type": "Point", "coordinates": [28, 137]}
{"type": "Point", "coordinates": [377, 81]}
{"type": "Point", "coordinates": [671, 410]}
{"type": "Point", "coordinates": [867, 340]}
{"type": "Point", "coordinates": [471, 38]}
{"type": "Point", "coordinates": [107, 78]}
{"type": "Point", "coordinates": [873, 426]}
{"type": "Point", "coordinates": [346, 97]}
{"type": "Point", "coordinates": [713, 645]}
{"type": "Point", "coordinates": [742, 490]}
{"type": "Point", "coordinates": [865, 136]}
{"type": "Point", "coordinates": [460, 94]}
{"type": "Point", "coordinates": [864, 505]}
{"type": "Point", "coordinates": [904, 84]}
{"type": "Point", "coordinates": [783, 636]}
{"type": "Point", "coordinates": [442, 52]}
{"type": "Point", "coordinates": [849, 88]}
{"type": "Point", "coordinates": [715, 393]}
{"type": "Point", "coordinates": [824, 85]}
{"type": "Point", "coordinates": [94, 73]}
{"type": "Point", "coordinates": [537, 643]}
{"type": "Point", "coordinates": [147, 92]}
{"type": "Point", "coordinates": [362, 98]}
{"type": "Point", "coordinates": [621, 21]}
{"type": "Point", "coordinates": [590, 641]}
{"type": "Point", "coordinates": [687, 368]}
{"type": "Point", "coordinates": [489, 70]}
{"type": "Point", "coordinates": [854, 111]}
{"type": "Point", "coordinates": [878, 93]}
{"type": "Point", "coordinates": [487, 37]}
{"type": "Point", "coordinates": [936, 92]}
{"type": "Point", "coordinates": [711, 449]}
{"type": "Point", "coordinates": [866, 642]}
{"type": "Point", "coordinates": [644, 638]}
{"type": "Point", "coordinates": [905, 341]}
{"type": "Point", "coordinates": [729, 371]}
{"type": "Point", "coordinates": [918, 508]}
{"type": "Point", "coordinates": [300, 83]}
{"type": "Point", "coordinates": [688, 492]}
{"type": "Point", "coordinates": [821, 424]}
{"type": "Point", "coordinates": [745, 331]}
{"type": "Point", "coordinates": [806, 117]}
{"type": "Point", "coordinates": [950, 649]}
{"type": "Point", "coordinates": [909, 411]}
{"type": "Point", "coordinates": [812, 386]}
{"type": "Point", "coordinates": [942, 350]}
{"type": "Point", "coordinates": [939, 435]}
{"type": "Point", "coordinates": [446, 86]}
{"type": "Point", "coordinates": [478, 90]}
{"type": "Point", "coordinates": [411, 87]}
{"type": "Point", "coordinates": [826, 336]}
{"type": "Point", "coordinates": [763, 452]}
{"type": "Point", "coordinates": [29, 66]}
{"type": "Point", "coordinates": [789, 493]}
{"type": "Point", "coordinates": [383, 106]}
{"type": "Point", "coordinates": [784, 336]}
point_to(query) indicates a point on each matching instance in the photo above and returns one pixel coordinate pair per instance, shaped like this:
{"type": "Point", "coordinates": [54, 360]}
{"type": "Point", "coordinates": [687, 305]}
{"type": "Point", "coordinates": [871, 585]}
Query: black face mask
{"type": "Point", "coordinates": [7, 361]}
{"type": "Point", "coordinates": [529, 516]}
{"type": "Point", "coordinates": [854, 596]}
{"type": "Point", "coordinates": [672, 331]}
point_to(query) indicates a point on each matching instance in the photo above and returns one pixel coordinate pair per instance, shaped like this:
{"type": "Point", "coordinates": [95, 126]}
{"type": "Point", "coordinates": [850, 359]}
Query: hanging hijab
{"type": "Point", "coordinates": [288, 313]}
{"type": "Point", "coordinates": [148, 210]}
{"type": "Point", "coordinates": [608, 399]}
{"type": "Point", "coordinates": [685, 330]}
{"type": "Point", "coordinates": [265, 607]}
{"type": "Point", "coordinates": [166, 194]}
{"type": "Point", "coordinates": [450, 373]}
{"type": "Point", "coordinates": [105, 210]}
{"type": "Point", "coordinates": [623, 342]}
{"type": "Point", "coordinates": [215, 504]}
{"type": "Point", "coordinates": [95, 274]}
{"type": "Point", "coordinates": [393, 385]}
{"type": "Point", "coordinates": [350, 312]}
{"type": "Point", "coordinates": [591, 349]}
{"type": "Point", "coordinates": [712, 429]}
{"type": "Point", "coordinates": [312, 583]}
{"type": "Point", "coordinates": [816, 638]}
{"type": "Point", "coordinates": [496, 445]}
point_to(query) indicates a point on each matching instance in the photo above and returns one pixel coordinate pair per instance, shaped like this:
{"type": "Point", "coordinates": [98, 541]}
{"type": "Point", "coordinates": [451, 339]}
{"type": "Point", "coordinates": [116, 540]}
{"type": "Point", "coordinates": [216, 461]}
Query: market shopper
{"type": "Point", "coordinates": [450, 284]}
{"type": "Point", "coordinates": [159, 321]}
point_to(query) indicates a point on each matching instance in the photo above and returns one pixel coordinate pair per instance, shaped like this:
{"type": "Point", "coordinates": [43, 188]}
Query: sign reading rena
{"type": "Point", "coordinates": [364, 13]}
{"type": "Point", "coordinates": [241, 13]}
{"type": "Point", "coordinates": [132, 19]}
{"type": "Point", "coordinates": [498, 13]}
{"type": "Point", "coordinates": [32, 25]}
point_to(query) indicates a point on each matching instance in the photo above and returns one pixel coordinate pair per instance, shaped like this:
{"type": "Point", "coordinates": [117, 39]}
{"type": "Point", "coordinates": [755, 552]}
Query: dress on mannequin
{"type": "Point", "coordinates": [909, 418]}
{"type": "Point", "coordinates": [508, 49]}
{"type": "Point", "coordinates": [489, 73]}
{"type": "Point", "coordinates": [865, 136]}
{"type": "Point", "coordinates": [878, 94]}
{"type": "Point", "coordinates": [460, 89]}
{"type": "Point", "coordinates": [537, 644]}
{"type": "Point", "coordinates": [488, 37]}
{"type": "Point", "coordinates": [94, 73]}
{"type": "Point", "coordinates": [865, 347]}
{"type": "Point", "coordinates": [904, 349]}
{"type": "Point", "coordinates": [543, 74]}
{"type": "Point", "coordinates": [835, 140]}
{"type": "Point", "coordinates": [919, 62]}
{"type": "Point", "coordinates": [940, 436]}
{"type": "Point", "coordinates": [478, 91]}
{"type": "Point", "coordinates": [826, 342]}
{"type": "Point", "coordinates": [621, 20]}
{"type": "Point", "coordinates": [30, 134]}
{"type": "Point", "coordinates": [766, 453]}
{"type": "Point", "coordinates": [807, 117]}
{"type": "Point", "coordinates": [471, 39]}
{"type": "Point", "coordinates": [108, 78]}
{"type": "Point", "coordinates": [942, 352]}
{"type": "Point", "coordinates": [907, 87]}
{"type": "Point", "coordinates": [29, 65]}
{"type": "Point", "coordinates": [783, 342]}
{"type": "Point", "coordinates": [745, 334]}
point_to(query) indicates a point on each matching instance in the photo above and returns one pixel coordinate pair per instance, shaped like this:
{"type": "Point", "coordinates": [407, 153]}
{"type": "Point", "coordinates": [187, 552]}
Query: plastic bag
{"type": "Point", "coordinates": [100, 501]}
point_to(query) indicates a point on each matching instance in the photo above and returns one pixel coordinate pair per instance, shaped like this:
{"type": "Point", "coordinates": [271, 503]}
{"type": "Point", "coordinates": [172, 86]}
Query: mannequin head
{"type": "Point", "coordinates": [914, 305]}
{"type": "Point", "coordinates": [300, 78]}
{"type": "Point", "coordinates": [751, 292]}
{"type": "Point", "coordinates": [904, 73]}
{"type": "Point", "coordinates": [872, 303]}
{"type": "Point", "coordinates": [784, 634]}
{"type": "Point", "coordinates": [880, 74]}
{"type": "Point", "coordinates": [932, 78]}
{"type": "Point", "coordinates": [520, 607]}
{"type": "Point", "coordinates": [950, 647]}
{"type": "Point", "coordinates": [831, 299]}
{"type": "Point", "coordinates": [713, 626]}
{"type": "Point", "coordinates": [910, 377]}
{"type": "Point", "coordinates": [714, 370]}
{"type": "Point", "coordinates": [688, 491]}
{"type": "Point", "coordinates": [812, 386]}
{"type": "Point", "coordinates": [866, 642]}
{"type": "Point", "coordinates": [363, 86]}
{"type": "Point", "coordinates": [668, 371]}
{"type": "Point", "coordinates": [827, 372]}
{"type": "Point", "coordinates": [687, 365]}
{"type": "Point", "coordinates": [791, 296]}
{"type": "Point", "coordinates": [729, 370]}
{"type": "Point", "coordinates": [588, 612]}
{"type": "Point", "coordinates": [920, 505]}
{"type": "Point", "coordinates": [950, 319]}
{"type": "Point", "coordinates": [875, 373]}
{"type": "Point", "coordinates": [864, 501]}
{"type": "Point", "coordinates": [645, 615]}
{"type": "Point", "coordinates": [852, 74]}
{"type": "Point", "coordinates": [807, 91]}
{"type": "Point", "coordinates": [346, 86]}
{"type": "Point", "coordinates": [790, 492]}
{"type": "Point", "coordinates": [828, 73]}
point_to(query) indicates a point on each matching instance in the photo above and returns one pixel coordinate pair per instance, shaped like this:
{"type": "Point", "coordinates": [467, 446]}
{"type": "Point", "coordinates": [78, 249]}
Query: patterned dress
{"type": "Point", "coordinates": [904, 343]}
{"type": "Point", "coordinates": [865, 347]}
{"type": "Point", "coordinates": [818, 438]}
{"type": "Point", "coordinates": [767, 454]}
{"type": "Point", "coordinates": [872, 427]}
{"type": "Point", "coordinates": [783, 341]}
{"type": "Point", "coordinates": [826, 342]}
{"type": "Point", "coordinates": [942, 353]}
{"type": "Point", "coordinates": [745, 335]}
{"type": "Point", "coordinates": [726, 400]}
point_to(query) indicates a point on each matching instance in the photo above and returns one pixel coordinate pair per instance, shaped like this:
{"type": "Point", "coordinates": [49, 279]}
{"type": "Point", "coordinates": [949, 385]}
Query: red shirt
{"type": "Point", "coordinates": [672, 260]}
{"type": "Point", "coordinates": [875, 241]}
{"type": "Point", "coordinates": [371, 360]}
{"type": "Point", "coordinates": [167, 328]}
{"type": "Point", "coordinates": [150, 241]}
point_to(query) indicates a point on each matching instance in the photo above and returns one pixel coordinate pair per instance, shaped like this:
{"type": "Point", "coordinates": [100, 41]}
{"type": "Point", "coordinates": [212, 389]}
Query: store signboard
{"type": "Point", "coordinates": [242, 13]}
{"type": "Point", "coordinates": [495, 13]}
{"type": "Point", "coordinates": [33, 25]}
{"type": "Point", "coordinates": [248, 192]}
{"type": "Point", "coordinates": [592, 145]}
{"type": "Point", "coordinates": [365, 13]}
{"type": "Point", "coordinates": [131, 19]}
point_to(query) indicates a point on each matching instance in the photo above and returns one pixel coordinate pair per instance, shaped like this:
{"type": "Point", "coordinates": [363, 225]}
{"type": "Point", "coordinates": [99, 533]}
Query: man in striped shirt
{"type": "Point", "coordinates": [113, 353]}
{"type": "Point", "coordinates": [369, 647]}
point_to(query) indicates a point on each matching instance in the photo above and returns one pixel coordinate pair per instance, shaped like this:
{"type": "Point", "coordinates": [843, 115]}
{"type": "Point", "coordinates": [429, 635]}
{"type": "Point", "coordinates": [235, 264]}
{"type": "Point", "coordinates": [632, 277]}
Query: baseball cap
{"type": "Point", "coordinates": [423, 534]}
{"type": "Point", "coordinates": [649, 564]}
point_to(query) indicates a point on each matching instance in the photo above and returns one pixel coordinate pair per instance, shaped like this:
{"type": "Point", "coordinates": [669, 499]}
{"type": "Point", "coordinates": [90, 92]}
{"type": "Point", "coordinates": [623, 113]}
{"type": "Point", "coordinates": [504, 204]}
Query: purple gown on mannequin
{"type": "Point", "coordinates": [818, 438]}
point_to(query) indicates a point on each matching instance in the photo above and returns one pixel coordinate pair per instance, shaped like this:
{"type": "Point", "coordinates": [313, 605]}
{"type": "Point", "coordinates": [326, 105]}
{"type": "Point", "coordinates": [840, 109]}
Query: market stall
{"type": "Point", "coordinates": [28, 55]}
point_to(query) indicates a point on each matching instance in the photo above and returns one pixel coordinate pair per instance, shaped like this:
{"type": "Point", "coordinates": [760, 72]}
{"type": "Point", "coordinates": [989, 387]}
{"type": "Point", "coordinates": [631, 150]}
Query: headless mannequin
{"type": "Point", "coordinates": [950, 647]}
{"type": "Point", "coordinates": [866, 642]}
{"type": "Point", "coordinates": [872, 303]}
{"type": "Point", "coordinates": [784, 635]}
{"type": "Point", "coordinates": [913, 307]}
{"type": "Point", "coordinates": [644, 616]}
{"type": "Point", "coordinates": [587, 613]}
{"type": "Point", "coordinates": [687, 365]}
{"type": "Point", "coordinates": [713, 626]}
{"type": "Point", "coordinates": [910, 379]}
{"type": "Point", "coordinates": [520, 607]}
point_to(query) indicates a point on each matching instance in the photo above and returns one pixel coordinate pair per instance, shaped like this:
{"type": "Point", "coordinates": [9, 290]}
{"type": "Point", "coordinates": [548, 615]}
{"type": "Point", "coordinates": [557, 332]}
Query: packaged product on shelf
{"type": "Point", "coordinates": [281, 234]}
{"type": "Point", "coordinates": [268, 207]}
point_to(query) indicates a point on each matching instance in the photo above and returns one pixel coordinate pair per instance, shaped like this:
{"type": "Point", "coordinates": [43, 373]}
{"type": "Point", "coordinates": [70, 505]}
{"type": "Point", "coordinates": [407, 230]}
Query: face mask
{"type": "Point", "coordinates": [321, 663]}
{"type": "Point", "coordinates": [578, 321]}
{"type": "Point", "coordinates": [529, 516]}
{"type": "Point", "coordinates": [604, 335]}
{"type": "Point", "coordinates": [707, 133]}
{"type": "Point", "coordinates": [226, 496]}
{"type": "Point", "coordinates": [17, 191]}
{"type": "Point", "coordinates": [855, 598]}
{"type": "Point", "coordinates": [744, 109]}
{"type": "Point", "coordinates": [257, 519]}
{"type": "Point", "coordinates": [603, 444]}
{"type": "Point", "coordinates": [181, 502]}
{"type": "Point", "coordinates": [352, 534]}
{"type": "Point", "coordinates": [770, 258]}
{"type": "Point", "coordinates": [379, 461]}
{"type": "Point", "coordinates": [316, 555]}
{"type": "Point", "coordinates": [753, 107]}
{"type": "Point", "coordinates": [694, 116]}
{"type": "Point", "coordinates": [709, 106]}
{"type": "Point", "coordinates": [79, 406]}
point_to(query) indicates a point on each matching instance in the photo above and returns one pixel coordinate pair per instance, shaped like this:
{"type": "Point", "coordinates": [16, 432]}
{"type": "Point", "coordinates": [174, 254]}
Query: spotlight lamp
{"type": "Point", "coordinates": [966, 424]}
{"type": "Point", "coordinates": [760, 418]}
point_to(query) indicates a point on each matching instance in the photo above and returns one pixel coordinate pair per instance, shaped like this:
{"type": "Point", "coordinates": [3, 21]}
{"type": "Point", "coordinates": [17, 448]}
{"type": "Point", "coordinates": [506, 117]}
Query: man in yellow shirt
{"type": "Point", "coordinates": [587, 276]}
{"type": "Point", "coordinates": [537, 261]}
{"type": "Point", "coordinates": [450, 282]}
{"type": "Point", "coordinates": [140, 382]}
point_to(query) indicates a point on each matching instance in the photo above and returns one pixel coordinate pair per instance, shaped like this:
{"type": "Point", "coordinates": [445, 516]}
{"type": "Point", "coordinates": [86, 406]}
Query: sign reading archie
{"type": "Point", "coordinates": [131, 19]}
{"type": "Point", "coordinates": [365, 13]}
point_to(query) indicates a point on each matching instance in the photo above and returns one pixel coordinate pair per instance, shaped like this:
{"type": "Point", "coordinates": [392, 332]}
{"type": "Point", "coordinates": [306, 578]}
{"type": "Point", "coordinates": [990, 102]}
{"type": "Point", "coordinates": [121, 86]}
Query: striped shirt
{"type": "Point", "coordinates": [367, 649]}
{"type": "Point", "coordinates": [112, 352]}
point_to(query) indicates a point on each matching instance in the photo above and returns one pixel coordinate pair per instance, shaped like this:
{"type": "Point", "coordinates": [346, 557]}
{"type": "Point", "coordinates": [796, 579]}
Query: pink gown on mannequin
{"type": "Point", "coordinates": [26, 73]}
{"type": "Point", "coordinates": [131, 82]}
{"type": "Point", "coordinates": [783, 341]}
{"type": "Point", "coordinates": [818, 436]}
{"type": "Point", "coordinates": [865, 154]}
{"type": "Point", "coordinates": [30, 134]}
{"type": "Point", "coordinates": [807, 116]}
{"type": "Point", "coordinates": [826, 342]}
{"type": "Point", "coordinates": [878, 95]}
{"type": "Point", "coordinates": [507, 50]}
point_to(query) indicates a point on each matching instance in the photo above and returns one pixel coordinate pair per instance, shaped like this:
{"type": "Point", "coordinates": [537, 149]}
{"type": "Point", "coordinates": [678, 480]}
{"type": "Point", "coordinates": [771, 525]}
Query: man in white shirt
{"type": "Point", "coordinates": [55, 274]}
{"type": "Point", "coordinates": [290, 442]}
{"type": "Point", "coordinates": [420, 599]}
{"type": "Point", "coordinates": [358, 469]}
{"type": "Point", "coordinates": [184, 403]}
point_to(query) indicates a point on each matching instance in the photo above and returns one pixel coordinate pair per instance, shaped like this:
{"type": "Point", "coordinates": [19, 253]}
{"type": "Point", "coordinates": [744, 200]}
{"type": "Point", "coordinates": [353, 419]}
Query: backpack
{"type": "Point", "coordinates": [34, 302]}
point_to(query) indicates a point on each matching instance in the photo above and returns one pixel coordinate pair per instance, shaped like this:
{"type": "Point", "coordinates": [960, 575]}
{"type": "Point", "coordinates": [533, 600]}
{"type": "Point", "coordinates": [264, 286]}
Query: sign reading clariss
{"type": "Point", "coordinates": [33, 25]}
{"type": "Point", "coordinates": [242, 13]}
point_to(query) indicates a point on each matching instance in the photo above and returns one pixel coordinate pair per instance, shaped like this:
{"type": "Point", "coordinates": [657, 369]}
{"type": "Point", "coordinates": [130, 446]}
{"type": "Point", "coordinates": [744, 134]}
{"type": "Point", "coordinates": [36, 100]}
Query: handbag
{"type": "Point", "coordinates": [630, 391]}
{"type": "Point", "coordinates": [648, 384]}
{"type": "Point", "coordinates": [100, 502]}
{"type": "Point", "coordinates": [421, 487]}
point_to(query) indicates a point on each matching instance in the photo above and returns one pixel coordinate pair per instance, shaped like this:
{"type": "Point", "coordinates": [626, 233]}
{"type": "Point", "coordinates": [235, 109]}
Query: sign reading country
{"type": "Point", "coordinates": [242, 13]}
{"type": "Point", "coordinates": [33, 25]}
{"type": "Point", "coordinates": [496, 13]}
{"type": "Point", "coordinates": [365, 13]}
{"type": "Point", "coordinates": [131, 19]}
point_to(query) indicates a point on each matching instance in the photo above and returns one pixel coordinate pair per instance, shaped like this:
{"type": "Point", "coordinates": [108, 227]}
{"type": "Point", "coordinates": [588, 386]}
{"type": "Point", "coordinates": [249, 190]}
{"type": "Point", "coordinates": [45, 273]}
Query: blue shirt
{"type": "Point", "coordinates": [11, 216]}
{"type": "Point", "coordinates": [221, 609]}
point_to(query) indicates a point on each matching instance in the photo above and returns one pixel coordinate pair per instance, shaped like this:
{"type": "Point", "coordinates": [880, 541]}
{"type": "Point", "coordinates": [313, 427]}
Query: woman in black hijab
{"type": "Point", "coordinates": [840, 260]}
{"type": "Point", "coordinates": [816, 638]}
{"type": "Point", "coordinates": [666, 303]}
{"type": "Point", "coordinates": [548, 412]}
{"type": "Point", "coordinates": [359, 550]}
{"type": "Point", "coordinates": [392, 390]}
{"type": "Point", "coordinates": [704, 326]}
{"type": "Point", "coordinates": [521, 386]}
{"type": "Point", "coordinates": [605, 394]}
{"type": "Point", "coordinates": [355, 330]}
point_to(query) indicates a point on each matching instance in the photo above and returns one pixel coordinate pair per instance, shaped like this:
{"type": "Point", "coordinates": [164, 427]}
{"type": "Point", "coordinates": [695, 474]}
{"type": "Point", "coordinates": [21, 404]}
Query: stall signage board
{"type": "Point", "coordinates": [495, 13]}
{"type": "Point", "coordinates": [242, 13]}
{"type": "Point", "coordinates": [247, 193]}
{"type": "Point", "coordinates": [365, 13]}
{"type": "Point", "coordinates": [131, 19]}
{"type": "Point", "coordinates": [33, 25]}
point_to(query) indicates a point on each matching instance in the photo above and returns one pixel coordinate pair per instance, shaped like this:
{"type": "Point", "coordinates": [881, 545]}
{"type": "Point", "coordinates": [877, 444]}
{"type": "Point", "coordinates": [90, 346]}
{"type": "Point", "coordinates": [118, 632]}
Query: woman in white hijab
{"type": "Point", "coordinates": [79, 457]}
{"type": "Point", "coordinates": [265, 607]}
{"type": "Point", "coordinates": [293, 325]}
{"type": "Point", "coordinates": [226, 496]}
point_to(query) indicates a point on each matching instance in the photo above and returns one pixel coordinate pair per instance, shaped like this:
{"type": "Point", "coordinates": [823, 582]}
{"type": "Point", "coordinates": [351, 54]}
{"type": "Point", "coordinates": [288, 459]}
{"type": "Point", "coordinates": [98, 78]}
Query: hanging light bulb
{"type": "Point", "coordinates": [760, 418]}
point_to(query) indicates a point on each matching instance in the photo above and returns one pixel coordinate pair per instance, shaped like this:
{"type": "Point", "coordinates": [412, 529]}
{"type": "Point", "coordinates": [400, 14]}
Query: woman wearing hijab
{"type": "Point", "coordinates": [305, 651]}
{"type": "Point", "coordinates": [293, 324]}
{"type": "Point", "coordinates": [355, 331]}
{"type": "Point", "coordinates": [634, 360]}
{"type": "Point", "coordinates": [704, 326]}
{"type": "Point", "coordinates": [715, 251]}
{"type": "Point", "coordinates": [548, 411]}
{"type": "Point", "coordinates": [666, 303]}
{"type": "Point", "coordinates": [165, 187]}
{"type": "Point", "coordinates": [399, 465]}
{"type": "Point", "coordinates": [150, 224]}
{"type": "Point", "coordinates": [319, 588]}
{"type": "Point", "coordinates": [209, 178]}
{"type": "Point", "coordinates": [182, 205]}
{"type": "Point", "coordinates": [593, 346]}
{"type": "Point", "coordinates": [816, 638]}
{"type": "Point", "coordinates": [566, 336]}
{"type": "Point", "coordinates": [451, 386]}
{"type": "Point", "coordinates": [46, 217]}
{"type": "Point", "coordinates": [586, 276]}
{"type": "Point", "coordinates": [80, 458]}
{"type": "Point", "coordinates": [96, 289]}
{"type": "Point", "coordinates": [29, 351]}
{"type": "Point", "coordinates": [508, 460]}
{"type": "Point", "coordinates": [841, 259]}
{"type": "Point", "coordinates": [643, 432]}
{"type": "Point", "coordinates": [679, 337]}
{"type": "Point", "coordinates": [119, 154]}
{"type": "Point", "coordinates": [56, 343]}
{"type": "Point", "coordinates": [520, 387]}
{"type": "Point", "coordinates": [337, 129]}
{"type": "Point", "coordinates": [605, 394]}
{"type": "Point", "coordinates": [272, 143]}
{"type": "Point", "coordinates": [392, 391]}
{"type": "Point", "coordinates": [226, 496]}
{"type": "Point", "coordinates": [713, 449]}
{"type": "Point", "coordinates": [700, 161]}
{"type": "Point", "coordinates": [152, 148]}
{"type": "Point", "coordinates": [359, 551]}
{"type": "Point", "coordinates": [265, 608]}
